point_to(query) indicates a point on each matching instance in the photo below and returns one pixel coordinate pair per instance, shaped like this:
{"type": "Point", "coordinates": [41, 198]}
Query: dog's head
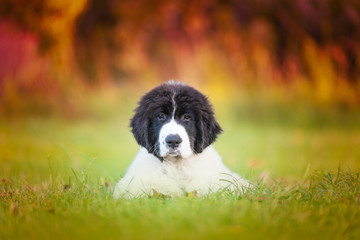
{"type": "Point", "coordinates": [174, 121]}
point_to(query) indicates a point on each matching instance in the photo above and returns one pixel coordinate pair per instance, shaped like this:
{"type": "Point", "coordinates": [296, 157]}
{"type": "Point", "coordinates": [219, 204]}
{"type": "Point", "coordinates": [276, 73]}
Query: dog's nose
{"type": "Point", "coordinates": [173, 140]}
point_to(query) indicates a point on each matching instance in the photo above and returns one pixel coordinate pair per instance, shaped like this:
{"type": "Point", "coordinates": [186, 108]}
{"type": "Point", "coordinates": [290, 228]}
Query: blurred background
{"type": "Point", "coordinates": [267, 65]}
{"type": "Point", "coordinates": [305, 48]}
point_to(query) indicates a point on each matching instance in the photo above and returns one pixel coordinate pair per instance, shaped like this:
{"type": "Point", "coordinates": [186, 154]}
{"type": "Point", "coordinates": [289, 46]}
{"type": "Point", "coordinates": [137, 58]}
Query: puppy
{"type": "Point", "coordinates": [175, 126]}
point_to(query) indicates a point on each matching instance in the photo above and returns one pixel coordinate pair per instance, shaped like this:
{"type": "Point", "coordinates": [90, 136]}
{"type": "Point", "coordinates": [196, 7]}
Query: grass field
{"type": "Point", "coordinates": [57, 177]}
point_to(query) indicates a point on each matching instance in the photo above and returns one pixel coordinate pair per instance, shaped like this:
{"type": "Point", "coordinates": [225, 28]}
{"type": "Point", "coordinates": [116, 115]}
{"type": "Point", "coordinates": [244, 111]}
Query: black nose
{"type": "Point", "coordinates": [173, 140]}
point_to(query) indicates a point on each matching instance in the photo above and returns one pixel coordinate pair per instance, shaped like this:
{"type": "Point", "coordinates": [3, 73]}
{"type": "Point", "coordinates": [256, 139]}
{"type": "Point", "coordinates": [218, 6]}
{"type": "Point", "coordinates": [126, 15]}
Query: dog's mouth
{"type": "Point", "coordinates": [173, 153]}
{"type": "Point", "coordinates": [169, 153]}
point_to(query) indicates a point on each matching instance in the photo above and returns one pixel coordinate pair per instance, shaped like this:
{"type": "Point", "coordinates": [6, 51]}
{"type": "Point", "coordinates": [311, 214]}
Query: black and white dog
{"type": "Point", "coordinates": [175, 126]}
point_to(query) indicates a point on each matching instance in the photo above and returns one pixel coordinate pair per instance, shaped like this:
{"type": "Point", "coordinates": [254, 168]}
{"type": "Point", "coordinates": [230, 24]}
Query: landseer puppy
{"type": "Point", "coordinates": [175, 126]}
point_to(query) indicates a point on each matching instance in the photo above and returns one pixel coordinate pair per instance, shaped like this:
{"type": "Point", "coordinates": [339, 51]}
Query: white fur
{"type": "Point", "coordinates": [184, 149]}
{"type": "Point", "coordinates": [204, 173]}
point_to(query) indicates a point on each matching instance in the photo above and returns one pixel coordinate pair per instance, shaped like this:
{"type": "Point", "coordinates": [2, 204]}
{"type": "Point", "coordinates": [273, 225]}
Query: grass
{"type": "Point", "coordinates": [57, 177]}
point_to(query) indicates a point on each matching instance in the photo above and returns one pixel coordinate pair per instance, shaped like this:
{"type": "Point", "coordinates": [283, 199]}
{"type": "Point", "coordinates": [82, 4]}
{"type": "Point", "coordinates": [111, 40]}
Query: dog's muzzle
{"type": "Point", "coordinates": [173, 142]}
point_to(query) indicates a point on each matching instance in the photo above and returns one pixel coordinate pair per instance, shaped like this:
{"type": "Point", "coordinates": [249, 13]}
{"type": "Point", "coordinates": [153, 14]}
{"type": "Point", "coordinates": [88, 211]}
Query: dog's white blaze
{"type": "Point", "coordinates": [174, 104]}
{"type": "Point", "coordinates": [173, 127]}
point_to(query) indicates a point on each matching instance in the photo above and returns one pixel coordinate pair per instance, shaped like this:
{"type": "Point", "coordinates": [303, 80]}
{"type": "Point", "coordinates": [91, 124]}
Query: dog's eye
{"type": "Point", "coordinates": [161, 116]}
{"type": "Point", "coordinates": [185, 117]}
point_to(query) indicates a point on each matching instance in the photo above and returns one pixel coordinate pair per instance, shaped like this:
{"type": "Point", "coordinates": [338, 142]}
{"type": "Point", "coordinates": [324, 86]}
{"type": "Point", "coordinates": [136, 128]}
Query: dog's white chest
{"type": "Point", "coordinates": [203, 173]}
{"type": "Point", "coordinates": [177, 171]}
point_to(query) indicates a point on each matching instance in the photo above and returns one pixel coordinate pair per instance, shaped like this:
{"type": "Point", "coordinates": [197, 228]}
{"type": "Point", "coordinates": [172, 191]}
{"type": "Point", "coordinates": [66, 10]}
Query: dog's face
{"type": "Point", "coordinates": [174, 121]}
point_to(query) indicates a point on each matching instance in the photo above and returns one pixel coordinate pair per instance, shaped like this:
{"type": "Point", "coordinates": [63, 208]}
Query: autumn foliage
{"type": "Point", "coordinates": [304, 48]}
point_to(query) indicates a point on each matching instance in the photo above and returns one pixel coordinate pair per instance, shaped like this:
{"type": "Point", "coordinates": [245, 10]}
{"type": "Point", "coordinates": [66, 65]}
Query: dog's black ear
{"type": "Point", "coordinates": [207, 128]}
{"type": "Point", "coordinates": [139, 126]}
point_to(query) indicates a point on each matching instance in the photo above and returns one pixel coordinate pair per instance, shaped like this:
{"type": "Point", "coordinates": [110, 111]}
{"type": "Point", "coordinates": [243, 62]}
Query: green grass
{"type": "Point", "coordinates": [57, 177]}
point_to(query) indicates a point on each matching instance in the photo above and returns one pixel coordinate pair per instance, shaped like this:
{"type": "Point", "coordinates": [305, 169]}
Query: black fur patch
{"type": "Point", "coordinates": [156, 108]}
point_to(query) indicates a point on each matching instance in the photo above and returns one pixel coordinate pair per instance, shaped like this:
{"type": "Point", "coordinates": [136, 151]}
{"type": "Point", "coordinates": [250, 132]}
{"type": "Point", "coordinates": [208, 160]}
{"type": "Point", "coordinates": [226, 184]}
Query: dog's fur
{"type": "Point", "coordinates": [175, 125]}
